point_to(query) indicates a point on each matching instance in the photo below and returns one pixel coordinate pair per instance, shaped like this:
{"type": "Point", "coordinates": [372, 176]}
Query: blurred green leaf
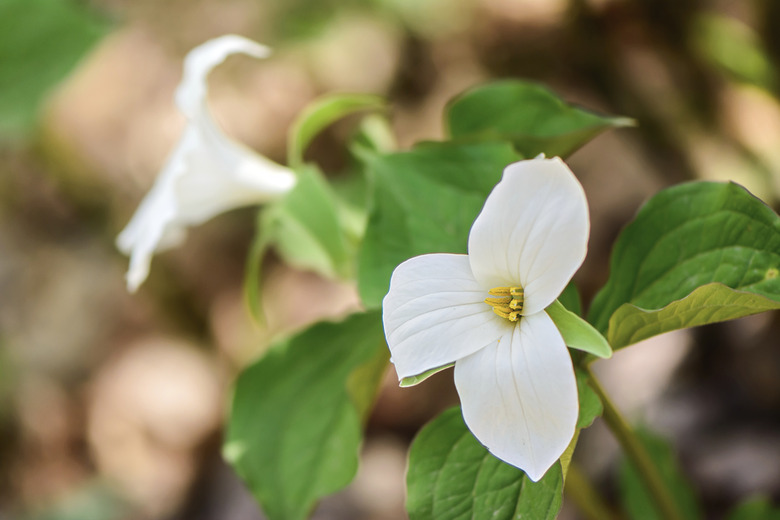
{"type": "Point", "coordinates": [452, 476]}
{"type": "Point", "coordinates": [92, 501]}
{"type": "Point", "coordinates": [40, 42]}
{"type": "Point", "coordinates": [638, 502]}
{"type": "Point", "coordinates": [570, 298]}
{"type": "Point", "coordinates": [322, 113]}
{"type": "Point", "coordinates": [734, 48]}
{"type": "Point", "coordinates": [590, 404]}
{"type": "Point", "coordinates": [686, 237]}
{"type": "Point", "coordinates": [308, 229]}
{"type": "Point", "coordinates": [425, 201]}
{"type": "Point", "coordinates": [305, 227]}
{"type": "Point", "coordinates": [529, 115]}
{"type": "Point", "coordinates": [758, 508]}
{"type": "Point", "coordinates": [578, 333]}
{"type": "Point", "coordinates": [295, 425]}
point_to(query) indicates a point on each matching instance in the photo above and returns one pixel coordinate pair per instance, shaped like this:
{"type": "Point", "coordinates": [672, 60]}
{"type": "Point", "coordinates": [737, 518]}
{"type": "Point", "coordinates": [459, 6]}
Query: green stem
{"type": "Point", "coordinates": [636, 452]}
{"type": "Point", "coordinates": [582, 492]}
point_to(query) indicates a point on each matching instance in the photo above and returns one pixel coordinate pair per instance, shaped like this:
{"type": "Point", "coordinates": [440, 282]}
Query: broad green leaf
{"type": "Point", "coordinates": [758, 508]}
{"type": "Point", "coordinates": [529, 115]}
{"type": "Point", "coordinates": [40, 42]}
{"type": "Point", "coordinates": [686, 237]}
{"type": "Point", "coordinates": [425, 201]}
{"type": "Point", "coordinates": [638, 502]}
{"type": "Point", "coordinates": [590, 404]}
{"type": "Point", "coordinates": [295, 428]}
{"type": "Point", "coordinates": [452, 476]}
{"type": "Point", "coordinates": [306, 229]}
{"type": "Point", "coordinates": [708, 304]}
{"type": "Point", "coordinates": [322, 113]}
{"type": "Point", "coordinates": [735, 48]}
{"type": "Point", "coordinates": [363, 383]}
{"type": "Point", "coordinates": [578, 333]}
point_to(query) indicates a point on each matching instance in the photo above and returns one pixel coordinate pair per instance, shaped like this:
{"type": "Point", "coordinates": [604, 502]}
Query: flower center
{"type": "Point", "coordinates": [507, 302]}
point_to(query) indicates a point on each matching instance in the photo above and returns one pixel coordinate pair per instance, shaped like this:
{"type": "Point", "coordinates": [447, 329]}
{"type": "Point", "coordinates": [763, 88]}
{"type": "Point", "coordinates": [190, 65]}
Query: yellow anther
{"type": "Point", "coordinates": [508, 302]}
{"type": "Point", "coordinates": [501, 312]}
{"type": "Point", "coordinates": [498, 301]}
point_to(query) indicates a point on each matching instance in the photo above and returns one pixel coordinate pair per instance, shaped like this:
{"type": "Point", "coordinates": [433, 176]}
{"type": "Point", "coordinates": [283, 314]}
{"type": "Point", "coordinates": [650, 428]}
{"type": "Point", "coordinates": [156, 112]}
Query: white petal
{"type": "Point", "coordinates": [206, 174]}
{"type": "Point", "coordinates": [519, 395]}
{"type": "Point", "coordinates": [191, 94]}
{"type": "Point", "coordinates": [434, 314]}
{"type": "Point", "coordinates": [533, 230]}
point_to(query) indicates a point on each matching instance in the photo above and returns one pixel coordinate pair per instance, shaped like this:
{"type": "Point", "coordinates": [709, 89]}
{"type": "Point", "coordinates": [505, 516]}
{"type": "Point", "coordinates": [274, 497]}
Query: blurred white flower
{"type": "Point", "coordinates": [206, 174]}
{"type": "Point", "coordinates": [513, 372]}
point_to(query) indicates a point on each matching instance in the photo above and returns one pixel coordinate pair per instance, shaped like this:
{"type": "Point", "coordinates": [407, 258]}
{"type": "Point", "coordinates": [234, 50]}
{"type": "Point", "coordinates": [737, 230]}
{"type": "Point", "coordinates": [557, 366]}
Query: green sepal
{"type": "Point", "coordinates": [578, 333]}
{"type": "Point", "coordinates": [414, 380]}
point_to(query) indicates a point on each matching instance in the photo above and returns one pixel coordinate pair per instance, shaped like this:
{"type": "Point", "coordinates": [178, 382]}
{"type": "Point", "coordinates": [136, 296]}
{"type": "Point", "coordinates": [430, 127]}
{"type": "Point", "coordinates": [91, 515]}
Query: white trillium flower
{"type": "Point", "coordinates": [485, 312]}
{"type": "Point", "coordinates": [206, 174]}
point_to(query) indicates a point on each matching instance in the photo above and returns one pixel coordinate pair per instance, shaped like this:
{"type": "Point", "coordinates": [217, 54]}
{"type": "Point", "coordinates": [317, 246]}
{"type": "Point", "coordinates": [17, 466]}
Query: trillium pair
{"type": "Point", "coordinates": [485, 313]}
{"type": "Point", "coordinates": [206, 174]}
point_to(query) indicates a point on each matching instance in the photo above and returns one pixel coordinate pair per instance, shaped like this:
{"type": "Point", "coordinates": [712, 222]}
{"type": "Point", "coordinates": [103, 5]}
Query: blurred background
{"type": "Point", "coordinates": [111, 404]}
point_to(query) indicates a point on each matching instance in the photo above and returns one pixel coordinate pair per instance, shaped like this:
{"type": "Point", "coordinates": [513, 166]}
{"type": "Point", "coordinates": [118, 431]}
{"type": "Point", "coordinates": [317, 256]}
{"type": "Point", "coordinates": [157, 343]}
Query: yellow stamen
{"type": "Point", "coordinates": [498, 301]}
{"type": "Point", "coordinates": [509, 303]}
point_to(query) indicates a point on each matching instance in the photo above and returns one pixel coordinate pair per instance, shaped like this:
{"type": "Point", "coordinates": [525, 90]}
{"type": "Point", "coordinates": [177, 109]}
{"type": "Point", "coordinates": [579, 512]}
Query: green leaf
{"type": "Point", "coordinates": [452, 476]}
{"type": "Point", "coordinates": [590, 404]}
{"type": "Point", "coordinates": [320, 114]}
{"type": "Point", "coordinates": [733, 47]}
{"type": "Point", "coordinates": [758, 508]}
{"type": "Point", "coordinates": [708, 304]}
{"type": "Point", "coordinates": [306, 229]}
{"type": "Point", "coordinates": [578, 333]}
{"type": "Point", "coordinates": [638, 502]}
{"type": "Point", "coordinates": [295, 428]}
{"type": "Point", "coordinates": [364, 382]}
{"type": "Point", "coordinates": [529, 115]}
{"type": "Point", "coordinates": [40, 42]}
{"type": "Point", "coordinates": [686, 237]}
{"type": "Point", "coordinates": [425, 201]}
